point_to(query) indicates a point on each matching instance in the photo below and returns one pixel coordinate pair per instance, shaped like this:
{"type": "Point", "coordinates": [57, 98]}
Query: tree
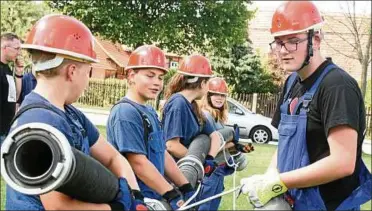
{"type": "Point", "coordinates": [359, 26]}
{"type": "Point", "coordinates": [243, 71]}
{"type": "Point", "coordinates": [272, 64]}
{"type": "Point", "coordinates": [178, 26]}
{"type": "Point", "coordinates": [19, 16]}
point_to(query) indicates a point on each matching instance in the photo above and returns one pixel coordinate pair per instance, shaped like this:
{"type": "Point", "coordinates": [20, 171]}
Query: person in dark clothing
{"type": "Point", "coordinates": [9, 86]}
{"type": "Point", "coordinates": [28, 84]}
{"type": "Point", "coordinates": [321, 121]}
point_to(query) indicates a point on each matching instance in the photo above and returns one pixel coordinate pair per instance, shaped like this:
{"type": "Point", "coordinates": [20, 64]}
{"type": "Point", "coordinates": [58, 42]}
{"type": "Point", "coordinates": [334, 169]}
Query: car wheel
{"type": "Point", "coordinates": [260, 135]}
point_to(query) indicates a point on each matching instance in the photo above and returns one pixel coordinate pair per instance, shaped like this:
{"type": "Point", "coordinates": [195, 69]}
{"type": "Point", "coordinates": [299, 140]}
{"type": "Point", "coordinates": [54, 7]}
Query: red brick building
{"type": "Point", "coordinates": [114, 57]}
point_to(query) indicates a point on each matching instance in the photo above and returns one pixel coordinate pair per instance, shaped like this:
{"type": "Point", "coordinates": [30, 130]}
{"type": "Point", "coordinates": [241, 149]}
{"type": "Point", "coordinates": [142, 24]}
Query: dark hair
{"type": "Point", "coordinates": [9, 36]}
{"type": "Point", "coordinates": [178, 83]}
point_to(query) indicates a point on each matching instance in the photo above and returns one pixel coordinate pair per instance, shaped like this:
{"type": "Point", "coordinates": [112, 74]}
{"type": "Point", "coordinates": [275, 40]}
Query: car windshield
{"type": "Point", "coordinates": [240, 106]}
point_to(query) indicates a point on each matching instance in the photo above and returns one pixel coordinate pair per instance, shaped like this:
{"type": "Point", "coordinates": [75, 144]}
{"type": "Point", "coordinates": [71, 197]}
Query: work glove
{"type": "Point", "coordinates": [174, 198]}
{"type": "Point", "coordinates": [187, 191]}
{"type": "Point", "coordinates": [244, 148]}
{"type": "Point", "coordinates": [262, 188]}
{"type": "Point", "coordinates": [236, 134]}
{"type": "Point", "coordinates": [126, 199]}
{"type": "Point", "coordinates": [138, 201]}
{"type": "Point", "coordinates": [209, 165]}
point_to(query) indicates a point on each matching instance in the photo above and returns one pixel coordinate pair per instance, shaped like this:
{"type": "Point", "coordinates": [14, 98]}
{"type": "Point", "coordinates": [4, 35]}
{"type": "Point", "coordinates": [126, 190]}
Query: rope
{"type": "Point", "coordinates": [185, 206]}
{"type": "Point", "coordinates": [235, 166]}
{"type": "Point", "coordinates": [209, 198]}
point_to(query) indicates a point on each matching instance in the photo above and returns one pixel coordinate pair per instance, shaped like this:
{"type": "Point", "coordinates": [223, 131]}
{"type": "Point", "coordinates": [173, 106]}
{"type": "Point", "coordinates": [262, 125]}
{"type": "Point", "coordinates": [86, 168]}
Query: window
{"type": "Point", "coordinates": [233, 109]}
{"type": "Point", "coordinates": [173, 64]}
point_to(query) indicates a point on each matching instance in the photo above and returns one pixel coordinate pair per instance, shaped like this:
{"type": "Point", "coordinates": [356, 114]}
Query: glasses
{"type": "Point", "coordinates": [290, 45]}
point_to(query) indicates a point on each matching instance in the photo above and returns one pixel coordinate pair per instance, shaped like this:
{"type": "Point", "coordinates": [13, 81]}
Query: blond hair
{"type": "Point", "coordinates": [218, 114]}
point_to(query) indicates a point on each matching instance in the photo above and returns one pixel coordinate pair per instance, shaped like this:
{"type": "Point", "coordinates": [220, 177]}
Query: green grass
{"type": "Point", "coordinates": [257, 163]}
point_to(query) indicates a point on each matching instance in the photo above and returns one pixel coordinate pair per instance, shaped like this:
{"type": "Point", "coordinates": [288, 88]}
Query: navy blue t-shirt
{"type": "Point", "coordinates": [71, 122]}
{"type": "Point", "coordinates": [125, 131]}
{"type": "Point", "coordinates": [179, 121]}
{"type": "Point", "coordinates": [28, 84]}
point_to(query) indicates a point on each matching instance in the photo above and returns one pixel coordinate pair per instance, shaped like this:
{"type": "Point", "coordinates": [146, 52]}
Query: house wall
{"type": "Point", "coordinates": [259, 33]}
{"type": "Point", "coordinates": [98, 73]}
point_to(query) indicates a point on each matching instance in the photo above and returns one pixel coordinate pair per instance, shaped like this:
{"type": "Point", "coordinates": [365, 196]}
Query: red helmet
{"type": "Point", "coordinates": [147, 56]}
{"type": "Point", "coordinates": [294, 17]}
{"type": "Point", "coordinates": [62, 35]}
{"type": "Point", "coordinates": [196, 65]}
{"type": "Point", "coordinates": [218, 85]}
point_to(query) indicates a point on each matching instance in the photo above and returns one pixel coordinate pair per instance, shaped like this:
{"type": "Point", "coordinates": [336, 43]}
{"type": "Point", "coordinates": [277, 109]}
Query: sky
{"type": "Point", "coordinates": [361, 7]}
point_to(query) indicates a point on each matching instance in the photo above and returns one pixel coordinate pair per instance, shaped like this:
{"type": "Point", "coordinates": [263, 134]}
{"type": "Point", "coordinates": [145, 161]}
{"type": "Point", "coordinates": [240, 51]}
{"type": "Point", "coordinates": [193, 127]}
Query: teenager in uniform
{"type": "Point", "coordinates": [215, 108]}
{"type": "Point", "coordinates": [182, 118]}
{"type": "Point", "coordinates": [134, 129]}
{"type": "Point", "coordinates": [321, 122]}
{"type": "Point", "coordinates": [62, 52]}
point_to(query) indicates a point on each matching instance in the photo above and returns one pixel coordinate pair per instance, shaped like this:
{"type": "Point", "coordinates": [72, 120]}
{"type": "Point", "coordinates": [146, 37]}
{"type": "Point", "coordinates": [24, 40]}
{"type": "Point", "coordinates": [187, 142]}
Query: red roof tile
{"type": "Point", "coordinates": [114, 51]}
{"type": "Point", "coordinates": [102, 58]}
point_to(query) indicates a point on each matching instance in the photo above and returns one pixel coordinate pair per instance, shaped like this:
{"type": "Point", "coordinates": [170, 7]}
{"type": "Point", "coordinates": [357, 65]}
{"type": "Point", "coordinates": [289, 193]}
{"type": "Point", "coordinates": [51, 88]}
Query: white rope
{"type": "Point", "coordinates": [192, 197]}
{"type": "Point", "coordinates": [209, 198]}
{"type": "Point", "coordinates": [235, 166]}
{"type": "Point", "coordinates": [185, 206]}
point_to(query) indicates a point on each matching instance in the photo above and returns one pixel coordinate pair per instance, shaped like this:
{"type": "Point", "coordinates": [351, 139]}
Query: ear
{"type": "Point", "coordinates": [70, 71]}
{"type": "Point", "coordinates": [316, 41]}
{"type": "Point", "coordinates": [130, 76]}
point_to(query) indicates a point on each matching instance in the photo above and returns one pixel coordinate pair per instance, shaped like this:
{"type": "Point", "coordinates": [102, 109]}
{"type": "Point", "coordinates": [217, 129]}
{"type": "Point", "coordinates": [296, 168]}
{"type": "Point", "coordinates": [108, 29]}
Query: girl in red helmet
{"type": "Point", "coordinates": [321, 122]}
{"type": "Point", "coordinates": [62, 52]}
{"type": "Point", "coordinates": [182, 117]}
{"type": "Point", "coordinates": [215, 108]}
{"type": "Point", "coordinates": [134, 129]}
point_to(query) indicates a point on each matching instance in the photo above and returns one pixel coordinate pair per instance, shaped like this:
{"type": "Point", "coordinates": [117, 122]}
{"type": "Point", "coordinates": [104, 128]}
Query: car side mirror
{"type": "Point", "coordinates": [239, 112]}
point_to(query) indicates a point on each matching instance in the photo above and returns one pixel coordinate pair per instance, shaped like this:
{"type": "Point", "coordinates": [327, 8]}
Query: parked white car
{"type": "Point", "coordinates": [254, 126]}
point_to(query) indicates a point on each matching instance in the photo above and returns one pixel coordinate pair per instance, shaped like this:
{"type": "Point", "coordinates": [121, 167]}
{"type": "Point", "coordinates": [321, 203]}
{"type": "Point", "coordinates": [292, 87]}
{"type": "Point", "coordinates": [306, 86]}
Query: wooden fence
{"type": "Point", "coordinates": [260, 103]}
{"type": "Point", "coordinates": [105, 93]}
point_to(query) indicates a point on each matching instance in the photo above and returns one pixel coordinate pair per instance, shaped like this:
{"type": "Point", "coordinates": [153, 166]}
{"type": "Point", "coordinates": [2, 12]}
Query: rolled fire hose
{"type": "Point", "coordinates": [192, 164]}
{"type": "Point", "coordinates": [277, 203]}
{"type": "Point", "coordinates": [153, 204]}
{"type": "Point", "coordinates": [36, 158]}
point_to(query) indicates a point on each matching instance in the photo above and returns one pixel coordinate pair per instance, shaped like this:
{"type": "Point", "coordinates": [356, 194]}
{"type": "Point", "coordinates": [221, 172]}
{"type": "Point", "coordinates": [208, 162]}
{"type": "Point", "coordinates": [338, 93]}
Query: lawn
{"type": "Point", "coordinates": [257, 163]}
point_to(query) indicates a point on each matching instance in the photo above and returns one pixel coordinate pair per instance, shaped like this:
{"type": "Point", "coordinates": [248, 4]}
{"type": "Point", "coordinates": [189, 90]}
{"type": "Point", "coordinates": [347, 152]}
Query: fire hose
{"type": "Point", "coordinates": [37, 158]}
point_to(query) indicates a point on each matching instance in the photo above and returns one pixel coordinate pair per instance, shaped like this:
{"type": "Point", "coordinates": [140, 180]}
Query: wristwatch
{"type": "Point", "coordinates": [18, 76]}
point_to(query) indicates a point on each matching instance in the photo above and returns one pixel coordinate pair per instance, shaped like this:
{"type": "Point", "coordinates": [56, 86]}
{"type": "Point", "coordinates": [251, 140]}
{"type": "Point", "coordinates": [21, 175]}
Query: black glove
{"type": "Point", "coordinates": [138, 202]}
{"type": "Point", "coordinates": [174, 198]}
{"type": "Point", "coordinates": [209, 165]}
{"type": "Point", "coordinates": [187, 191]}
{"type": "Point", "coordinates": [236, 134]}
{"type": "Point", "coordinates": [126, 198]}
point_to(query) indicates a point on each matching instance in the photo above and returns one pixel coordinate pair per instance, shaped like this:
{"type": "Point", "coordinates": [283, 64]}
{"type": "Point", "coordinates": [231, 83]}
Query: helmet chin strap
{"type": "Point", "coordinates": [310, 52]}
